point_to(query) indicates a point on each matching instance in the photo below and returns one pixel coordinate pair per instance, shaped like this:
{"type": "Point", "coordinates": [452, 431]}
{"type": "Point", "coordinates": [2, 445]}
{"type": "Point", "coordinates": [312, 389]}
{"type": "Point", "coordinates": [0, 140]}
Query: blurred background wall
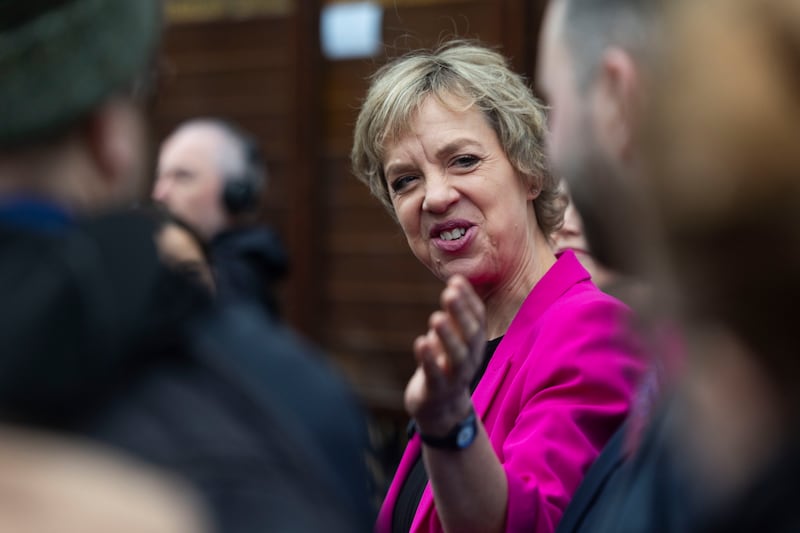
{"type": "Point", "coordinates": [354, 287]}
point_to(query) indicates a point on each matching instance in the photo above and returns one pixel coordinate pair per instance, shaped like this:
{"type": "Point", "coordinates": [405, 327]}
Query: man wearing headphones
{"type": "Point", "coordinates": [211, 174]}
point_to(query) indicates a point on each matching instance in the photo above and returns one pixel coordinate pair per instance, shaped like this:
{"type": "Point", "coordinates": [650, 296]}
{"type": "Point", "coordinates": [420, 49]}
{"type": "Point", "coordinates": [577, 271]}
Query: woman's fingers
{"type": "Point", "coordinates": [460, 300]}
{"type": "Point", "coordinates": [449, 337]}
{"type": "Point", "coordinates": [473, 303]}
{"type": "Point", "coordinates": [432, 395]}
{"type": "Point", "coordinates": [451, 350]}
{"type": "Point", "coordinates": [468, 314]}
{"type": "Point", "coordinates": [431, 357]}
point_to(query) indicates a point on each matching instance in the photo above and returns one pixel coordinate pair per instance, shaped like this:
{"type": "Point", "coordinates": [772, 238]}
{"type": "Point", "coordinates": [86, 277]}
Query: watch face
{"type": "Point", "coordinates": [465, 436]}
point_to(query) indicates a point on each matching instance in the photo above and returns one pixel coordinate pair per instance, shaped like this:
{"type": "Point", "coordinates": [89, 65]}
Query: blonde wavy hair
{"type": "Point", "coordinates": [480, 77]}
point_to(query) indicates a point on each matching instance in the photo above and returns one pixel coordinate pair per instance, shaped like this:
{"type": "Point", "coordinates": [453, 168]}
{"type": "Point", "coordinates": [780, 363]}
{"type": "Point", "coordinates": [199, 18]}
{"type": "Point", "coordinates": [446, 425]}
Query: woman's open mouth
{"type": "Point", "coordinates": [452, 236]}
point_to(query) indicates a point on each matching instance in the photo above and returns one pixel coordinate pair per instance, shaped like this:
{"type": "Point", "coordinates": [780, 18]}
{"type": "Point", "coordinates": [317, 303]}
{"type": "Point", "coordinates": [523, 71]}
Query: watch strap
{"type": "Point", "coordinates": [458, 438]}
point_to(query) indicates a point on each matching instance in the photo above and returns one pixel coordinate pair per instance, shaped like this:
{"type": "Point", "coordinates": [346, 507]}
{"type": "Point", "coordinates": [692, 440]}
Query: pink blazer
{"type": "Point", "coordinates": [557, 387]}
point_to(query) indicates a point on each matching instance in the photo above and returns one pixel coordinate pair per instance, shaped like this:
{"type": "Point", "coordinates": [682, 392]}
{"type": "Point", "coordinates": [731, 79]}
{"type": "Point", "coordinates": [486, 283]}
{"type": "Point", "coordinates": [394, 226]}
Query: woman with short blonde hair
{"type": "Point", "coordinates": [451, 141]}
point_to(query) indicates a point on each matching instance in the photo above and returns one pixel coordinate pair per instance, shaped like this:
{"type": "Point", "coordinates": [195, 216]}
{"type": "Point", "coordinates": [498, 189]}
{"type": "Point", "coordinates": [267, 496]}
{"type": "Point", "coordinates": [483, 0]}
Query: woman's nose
{"type": "Point", "coordinates": [439, 195]}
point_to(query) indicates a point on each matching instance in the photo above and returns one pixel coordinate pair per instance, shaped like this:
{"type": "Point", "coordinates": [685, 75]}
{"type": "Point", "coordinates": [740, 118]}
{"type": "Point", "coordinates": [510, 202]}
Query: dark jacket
{"type": "Point", "coordinates": [248, 263]}
{"type": "Point", "coordinates": [581, 513]}
{"type": "Point", "coordinates": [99, 340]}
{"type": "Point", "coordinates": [647, 492]}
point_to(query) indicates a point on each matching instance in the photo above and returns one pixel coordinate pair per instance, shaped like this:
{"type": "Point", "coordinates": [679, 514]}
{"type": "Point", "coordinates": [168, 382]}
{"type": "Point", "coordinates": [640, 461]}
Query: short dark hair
{"type": "Point", "coordinates": [591, 26]}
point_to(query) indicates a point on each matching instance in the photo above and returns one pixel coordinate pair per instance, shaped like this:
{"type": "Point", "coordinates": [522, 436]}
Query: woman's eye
{"type": "Point", "coordinates": [401, 183]}
{"type": "Point", "coordinates": [465, 161]}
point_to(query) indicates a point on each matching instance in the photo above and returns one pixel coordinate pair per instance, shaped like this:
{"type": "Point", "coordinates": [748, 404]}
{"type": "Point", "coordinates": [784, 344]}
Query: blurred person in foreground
{"type": "Point", "coordinates": [212, 175]}
{"type": "Point", "coordinates": [724, 159]}
{"type": "Point", "coordinates": [572, 236]}
{"type": "Point", "coordinates": [595, 69]}
{"type": "Point", "coordinates": [71, 486]}
{"type": "Point", "coordinates": [451, 142]}
{"type": "Point", "coordinates": [723, 415]}
{"type": "Point", "coordinates": [100, 340]}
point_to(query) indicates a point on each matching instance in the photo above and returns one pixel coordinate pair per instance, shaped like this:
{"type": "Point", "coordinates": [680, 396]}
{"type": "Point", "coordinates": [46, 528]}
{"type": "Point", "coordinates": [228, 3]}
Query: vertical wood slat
{"type": "Point", "coordinates": [516, 21]}
{"type": "Point", "coordinates": [304, 198]}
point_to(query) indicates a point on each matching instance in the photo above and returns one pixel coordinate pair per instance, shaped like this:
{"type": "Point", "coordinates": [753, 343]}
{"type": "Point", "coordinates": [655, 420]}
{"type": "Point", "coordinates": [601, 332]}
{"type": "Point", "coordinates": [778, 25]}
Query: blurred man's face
{"type": "Point", "coordinates": [572, 148]}
{"type": "Point", "coordinates": [129, 146]}
{"type": "Point", "coordinates": [189, 182]}
{"type": "Point", "coordinates": [571, 236]}
{"type": "Point", "coordinates": [575, 151]}
{"type": "Point", "coordinates": [109, 162]}
{"type": "Point", "coordinates": [556, 79]}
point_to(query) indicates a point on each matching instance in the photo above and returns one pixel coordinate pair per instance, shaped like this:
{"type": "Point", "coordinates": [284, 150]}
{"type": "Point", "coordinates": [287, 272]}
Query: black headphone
{"type": "Point", "coordinates": [241, 193]}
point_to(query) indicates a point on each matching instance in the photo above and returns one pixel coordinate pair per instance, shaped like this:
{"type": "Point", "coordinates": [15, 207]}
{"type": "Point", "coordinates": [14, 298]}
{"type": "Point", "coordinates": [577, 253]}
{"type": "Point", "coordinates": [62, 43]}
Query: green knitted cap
{"type": "Point", "coordinates": [55, 67]}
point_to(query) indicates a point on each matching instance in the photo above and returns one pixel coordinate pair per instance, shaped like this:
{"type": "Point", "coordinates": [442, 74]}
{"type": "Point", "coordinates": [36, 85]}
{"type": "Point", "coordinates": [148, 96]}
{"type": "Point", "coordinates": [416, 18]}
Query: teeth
{"type": "Point", "coordinates": [452, 235]}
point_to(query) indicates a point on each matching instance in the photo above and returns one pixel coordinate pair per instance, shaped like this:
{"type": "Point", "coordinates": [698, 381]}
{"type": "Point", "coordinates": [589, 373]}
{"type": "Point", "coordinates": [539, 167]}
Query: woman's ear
{"type": "Point", "coordinates": [533, 185]}
{"type": "Point", "coordinates": [614, 102]}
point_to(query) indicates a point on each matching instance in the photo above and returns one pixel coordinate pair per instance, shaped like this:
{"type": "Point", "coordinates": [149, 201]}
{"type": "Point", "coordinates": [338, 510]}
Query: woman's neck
{"type": "Point", "coordinates": [504, 300]}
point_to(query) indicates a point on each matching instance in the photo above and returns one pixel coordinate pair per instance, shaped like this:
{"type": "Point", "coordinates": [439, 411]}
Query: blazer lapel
{"type": "Point", "coordinates": [565, 273]}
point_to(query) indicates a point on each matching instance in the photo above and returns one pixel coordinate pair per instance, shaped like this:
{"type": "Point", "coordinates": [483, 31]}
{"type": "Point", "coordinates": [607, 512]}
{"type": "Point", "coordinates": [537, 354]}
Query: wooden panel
{"type": "Point", "coordinates": [194, 10]}
{"type": "Point", "coordinates": [371, 268]}
{"type": "Point", "coordinates": [411, 27]}
{"type": "Point", "coordinates": [304, 200]}
{"type": "Point", "coordinates": [271, 35]}
{"type": "Point", "coordinates": [233, 70]}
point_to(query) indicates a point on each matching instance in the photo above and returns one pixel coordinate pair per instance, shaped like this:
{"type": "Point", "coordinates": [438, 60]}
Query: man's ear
{"type": "Point", "coordinates": [615, 103]}
{"type": "Point", "coordinates": [114, 136]}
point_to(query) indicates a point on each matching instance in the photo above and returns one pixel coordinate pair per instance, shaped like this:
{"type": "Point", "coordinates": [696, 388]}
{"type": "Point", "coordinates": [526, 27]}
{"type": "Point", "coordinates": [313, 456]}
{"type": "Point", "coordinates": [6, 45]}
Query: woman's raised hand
{"type": "Point", "coordinates": [448, 355]}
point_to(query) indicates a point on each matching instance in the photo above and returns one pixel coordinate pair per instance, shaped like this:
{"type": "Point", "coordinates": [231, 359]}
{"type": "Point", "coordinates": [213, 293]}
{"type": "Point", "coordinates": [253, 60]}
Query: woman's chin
{"type": "Point", "coordinates": [472, 272]}
{"type": "Point", "coordinates": [444, 271]}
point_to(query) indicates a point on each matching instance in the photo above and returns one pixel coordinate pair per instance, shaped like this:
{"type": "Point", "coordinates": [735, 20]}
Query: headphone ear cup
{"type": "Point", "coordinates": [239, 196]}
{"type": "Point", "coordinates": [242, 192]}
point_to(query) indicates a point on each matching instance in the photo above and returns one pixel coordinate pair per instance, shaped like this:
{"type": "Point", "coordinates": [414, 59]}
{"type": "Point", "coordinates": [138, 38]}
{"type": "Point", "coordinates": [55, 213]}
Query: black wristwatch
{"type": "Point", "coordinates": [458, 438]}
